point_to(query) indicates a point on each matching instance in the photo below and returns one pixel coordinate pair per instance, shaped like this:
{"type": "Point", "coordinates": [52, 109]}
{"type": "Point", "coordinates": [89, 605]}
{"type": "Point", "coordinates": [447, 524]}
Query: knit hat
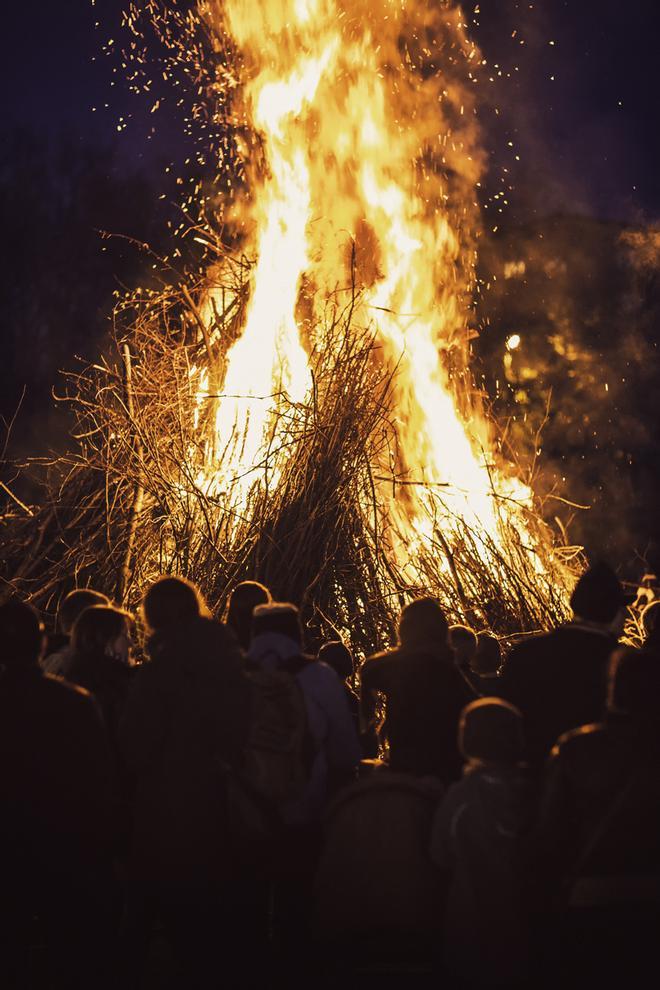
{"type": "Point", "coordinates": [598, 595]}
{"type": "Point", "coordinates": [277, 617]}
{"type": "Point", "coordinates": [491, 730]}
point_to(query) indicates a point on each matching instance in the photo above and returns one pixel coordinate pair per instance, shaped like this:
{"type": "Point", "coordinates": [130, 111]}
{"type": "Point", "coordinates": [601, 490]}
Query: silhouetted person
{"type": "Point", "coordinates": [476, 840]}
{"type": "Point", "coordinates": [558, 679]}
{"type": "Point", "coordinates": [58, 660]}
{"type": "Point", "coordinates": [57, 808]}
{"type": "Point", "coordinates": [100, 644]}
{"type": "Point", "coordinates": [484, 672]}
{"type": "Point", "coordinates": [377, 897]}
{"type": "Point", "coordinates": [463, 642]}
{"type": "Point", "coordinates": [243, 600]}
{"type": "Point", "coordinates": [598, 837]}
{"type": "Point", "coordinates": [338, 656]}
{"type": "Point", "coordinates": [186, 718]}
{"type": "Point", "coordinates": [424, 694]}
{"type": "Point", "coordinates": [334, 753]}
{"type": "Point", "coordinates": [277, 645]}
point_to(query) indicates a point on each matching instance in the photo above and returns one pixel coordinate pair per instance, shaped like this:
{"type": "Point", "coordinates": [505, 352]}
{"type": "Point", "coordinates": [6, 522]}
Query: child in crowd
{"type": "Point", "coordinates": [338, 656]}
{"type": "Point", "coordinates": [475, 839]}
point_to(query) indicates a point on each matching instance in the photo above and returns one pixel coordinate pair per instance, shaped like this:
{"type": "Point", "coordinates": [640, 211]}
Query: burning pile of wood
{"type": "Point", "coordinates": [138, 495]}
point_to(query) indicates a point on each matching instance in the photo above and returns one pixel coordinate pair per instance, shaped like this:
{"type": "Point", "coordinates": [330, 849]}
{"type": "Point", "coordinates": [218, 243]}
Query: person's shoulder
{"type": "Point", "coordinates": [589, 638]}
{"type": "Point", "coordinates": [58, 687]}
{"type": "Point", "coordinates": [537, 643]}
{"type": "Point", "coordinates": [384, 658]}
{"type": "Point", "coordinates": [379, 665]}
{"type": "Point", "coordinates": [62, 694]}
{"type": "Point", "coordinates": [576, 740]}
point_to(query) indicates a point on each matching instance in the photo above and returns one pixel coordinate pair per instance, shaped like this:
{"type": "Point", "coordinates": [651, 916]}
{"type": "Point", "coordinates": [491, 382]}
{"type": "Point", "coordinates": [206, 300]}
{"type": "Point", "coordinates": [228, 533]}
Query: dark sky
{"type": "Point", "coordinates": [588, 139]}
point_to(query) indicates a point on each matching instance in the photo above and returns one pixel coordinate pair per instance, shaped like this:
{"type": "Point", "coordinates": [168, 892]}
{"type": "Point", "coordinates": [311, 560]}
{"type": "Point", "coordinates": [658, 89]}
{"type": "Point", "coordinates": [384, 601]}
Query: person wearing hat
{"type": "Point", "coordinates": [476, 841]}
{"type": "Point", "coordinates": [558, 679]}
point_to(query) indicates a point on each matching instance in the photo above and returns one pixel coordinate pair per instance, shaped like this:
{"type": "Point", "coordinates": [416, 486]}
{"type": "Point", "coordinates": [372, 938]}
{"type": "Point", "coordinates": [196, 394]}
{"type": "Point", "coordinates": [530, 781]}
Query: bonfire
{"type": "Point", "coordinates": [303, 413]}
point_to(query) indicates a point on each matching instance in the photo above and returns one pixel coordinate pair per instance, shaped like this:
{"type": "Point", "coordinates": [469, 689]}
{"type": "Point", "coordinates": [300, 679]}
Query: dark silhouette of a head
{"type": "Point", "coordinates": [75, 603]}
{"type": "Point", "coordinates": [491, 731]}
{"type": "Point", "coordinates": [339, 657]}
{"type": "Point", "coordinates": [598, 595]}
{"type": "Point", "coordinates": [488, 658]}
{"type": "Point", "coordinates": [21, 635]}
{"type": "Point", "coordinates": [97, 628]}
{"type": "Point", "coordinates": [244, 599]}
{"type": "Point", "coordinates": [423, 625]}
{"type": "Point", "coordinates": [463, 642]}
{"type": "Point", "coordinates": [172, 602]}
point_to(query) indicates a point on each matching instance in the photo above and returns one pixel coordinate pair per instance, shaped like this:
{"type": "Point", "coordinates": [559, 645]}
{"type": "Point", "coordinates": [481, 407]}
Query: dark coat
{"type": "Point", "coordinates": [57, 796]}
{"type": "Point", "coordinates": [600, 810]}
{"type": "Point", "coordinates": [424, 695]}
{"type": "Point", "coordinates": [558, 681]}
{"type": "Point", "coordinates": [187, 713]}
{"type": "Point", "coordinates": [107, 679]}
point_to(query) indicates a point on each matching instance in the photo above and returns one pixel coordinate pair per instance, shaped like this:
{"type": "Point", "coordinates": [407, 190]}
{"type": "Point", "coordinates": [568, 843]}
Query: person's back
{"type": "Point", "coordinates": [376, 890]}
{"type": "Point", "coordinates": [277, 645]}
{"type": "Point", "coordinates": [186, 716]}
{"type": "Point", "coordinates": [476, 840]}
{"type": "Point", "coordinates": [424, 693]}
{"type": "Point", "coordinates": [57, 797]}
{"type": "Point", "coordinates": [597, 848]}
{"type": "Point", "coordinates": [55, 769]}
{"type": "Point", "coordinates": [558, 680]}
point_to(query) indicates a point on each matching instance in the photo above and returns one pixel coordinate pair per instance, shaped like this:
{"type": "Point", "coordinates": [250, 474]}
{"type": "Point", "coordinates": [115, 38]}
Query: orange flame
{"type": "Point", "coordinates": [360, 126]}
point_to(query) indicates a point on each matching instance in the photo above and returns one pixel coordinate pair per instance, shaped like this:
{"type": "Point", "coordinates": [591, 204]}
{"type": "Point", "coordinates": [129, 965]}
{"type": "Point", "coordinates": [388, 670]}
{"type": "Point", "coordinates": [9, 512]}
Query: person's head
{"type": "Point", "coordinates": [491, 731]}
{"type": "Point", "coordinates": [171, 602]}
{"type": "Point", "coordinates": [243, 600]}
{"type": "Point", "coordinates": [634, 684]}
{"type": "Point", "coordinates": [463, 642]}
{"type": "Point", "coordinates": [598, 596]}
{"type": "Point", "coordinates": [488, 658]}
{"type": "Point", "coordinates": [75, 603]}
{"type": "Point", "coordinates": [103, 630]}
{"type": "Point", "coordinates": [277, 618]}
{"type": "Point", "coordinates": [339, 657]}
{"type": "Point", "coordinates": [651, 623]}
{"type": "Point", "coordinates": [422, 625]}
{"type": "Point", "coordinates": [21, 635]}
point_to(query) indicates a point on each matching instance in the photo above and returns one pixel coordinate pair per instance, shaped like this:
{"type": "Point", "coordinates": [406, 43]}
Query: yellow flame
{"type": "Point", "coordinates": [356, 144]}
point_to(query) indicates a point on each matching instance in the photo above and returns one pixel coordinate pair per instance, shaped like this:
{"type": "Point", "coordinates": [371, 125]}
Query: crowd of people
{"type": "Point", "coordinates": [230, 809]}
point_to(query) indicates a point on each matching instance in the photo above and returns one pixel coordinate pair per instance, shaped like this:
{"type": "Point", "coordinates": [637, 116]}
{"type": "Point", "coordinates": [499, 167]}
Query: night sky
{"type": "Point", "coordinates": [580, 107]}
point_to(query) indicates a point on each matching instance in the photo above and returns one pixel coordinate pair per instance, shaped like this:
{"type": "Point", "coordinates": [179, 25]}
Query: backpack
{"type": "Point", "coordinates": [279, 752]}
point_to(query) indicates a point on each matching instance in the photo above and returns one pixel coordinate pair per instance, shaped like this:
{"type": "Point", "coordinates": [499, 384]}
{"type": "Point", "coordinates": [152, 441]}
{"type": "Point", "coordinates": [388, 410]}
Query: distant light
{"type": "Point", "coordinates": [513, 341]}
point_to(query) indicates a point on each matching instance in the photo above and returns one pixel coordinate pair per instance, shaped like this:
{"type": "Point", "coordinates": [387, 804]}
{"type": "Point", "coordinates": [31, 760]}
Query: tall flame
{"type": "Point", "coordinates": [363, 132]}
